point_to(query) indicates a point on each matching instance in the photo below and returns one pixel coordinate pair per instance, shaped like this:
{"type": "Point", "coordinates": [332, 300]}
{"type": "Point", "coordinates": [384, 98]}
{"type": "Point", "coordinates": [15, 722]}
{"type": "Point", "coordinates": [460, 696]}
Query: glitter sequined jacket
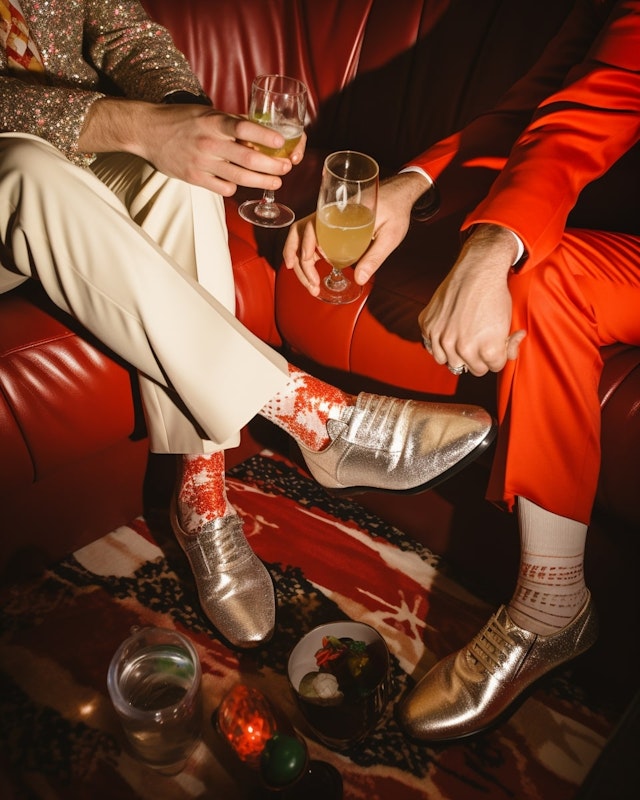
{"type": "Point", "coordinates": [81, 42]}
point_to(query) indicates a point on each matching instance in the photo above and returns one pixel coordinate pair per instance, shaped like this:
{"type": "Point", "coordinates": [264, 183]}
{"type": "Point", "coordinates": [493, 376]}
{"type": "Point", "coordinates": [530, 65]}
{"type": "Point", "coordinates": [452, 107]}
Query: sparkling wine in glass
{"type": "Point", "coordinates": [279, 102]}
{"type": "Point", "coordinates": [345, 218]}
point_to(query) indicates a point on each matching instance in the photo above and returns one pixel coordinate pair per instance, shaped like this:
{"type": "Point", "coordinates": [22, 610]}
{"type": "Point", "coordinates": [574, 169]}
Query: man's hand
{"type": "Point", "coordinates": [468, 319]}
{"type": "Point", "coordinates": [192, 142]}
{"type": "Point", "coordinates": [300, 253]}
{"type": "Point", "coordinates": [395, 201]}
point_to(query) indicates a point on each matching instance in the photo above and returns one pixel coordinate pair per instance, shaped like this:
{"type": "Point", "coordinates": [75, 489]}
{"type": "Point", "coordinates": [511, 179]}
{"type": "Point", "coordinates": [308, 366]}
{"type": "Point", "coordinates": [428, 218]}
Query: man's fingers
{"type": "Point", "coordinates": [513, 344]}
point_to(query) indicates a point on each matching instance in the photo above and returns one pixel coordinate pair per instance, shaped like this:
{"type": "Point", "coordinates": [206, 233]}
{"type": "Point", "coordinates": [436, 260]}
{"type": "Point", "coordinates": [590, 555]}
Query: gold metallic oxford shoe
{"type": "Point", "coordinates": [234, 587]}
{"type": "Point", "coordinates": [472, 689]}
{"type": "Point", "coordinates": [399, 445]}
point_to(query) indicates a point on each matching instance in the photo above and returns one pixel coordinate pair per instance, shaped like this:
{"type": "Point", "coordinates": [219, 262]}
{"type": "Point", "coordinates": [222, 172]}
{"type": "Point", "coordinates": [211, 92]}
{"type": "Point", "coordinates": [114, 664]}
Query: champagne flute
{"type": "Point", "coordinates": [278, 102]}
{"type": "Point", "coordinates": [345, 218]}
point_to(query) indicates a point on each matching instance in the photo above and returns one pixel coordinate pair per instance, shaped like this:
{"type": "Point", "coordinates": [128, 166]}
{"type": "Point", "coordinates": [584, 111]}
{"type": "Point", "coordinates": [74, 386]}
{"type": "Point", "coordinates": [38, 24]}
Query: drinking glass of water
{"type": "Point", "coordinates": [154, 683]}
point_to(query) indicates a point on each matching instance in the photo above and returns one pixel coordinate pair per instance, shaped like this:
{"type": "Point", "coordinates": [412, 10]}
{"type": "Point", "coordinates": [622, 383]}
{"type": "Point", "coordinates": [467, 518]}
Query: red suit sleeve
{"type": "Point", "coordinates": [558, 129]}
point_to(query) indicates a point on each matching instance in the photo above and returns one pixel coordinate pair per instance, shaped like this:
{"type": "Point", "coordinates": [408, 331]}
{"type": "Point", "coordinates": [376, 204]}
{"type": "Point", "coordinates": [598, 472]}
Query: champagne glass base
{"type": "Point", "coordinates": [339, 293]}
{"type": "Point", "coordinates": [266, 215]}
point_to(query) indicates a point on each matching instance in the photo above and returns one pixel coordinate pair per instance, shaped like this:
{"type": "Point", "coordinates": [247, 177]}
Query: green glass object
{"type": "Point", "coordinates": [283, 760]}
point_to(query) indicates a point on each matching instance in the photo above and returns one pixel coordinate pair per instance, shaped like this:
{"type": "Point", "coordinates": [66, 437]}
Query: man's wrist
{"type": "Point", "coordinates": [183, 98]}
{"type": "Point", "coordinates": [520, 254]}
{"type": "Point", "coordinates": [499, 238]}
{"type": "Point", "coordinates": [426, 204]}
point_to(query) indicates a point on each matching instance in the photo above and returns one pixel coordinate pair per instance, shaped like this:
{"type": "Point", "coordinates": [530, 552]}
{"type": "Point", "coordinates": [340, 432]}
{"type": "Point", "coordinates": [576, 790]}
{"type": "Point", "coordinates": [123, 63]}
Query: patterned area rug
{"type": "Point", "coordinates": [330, 559]}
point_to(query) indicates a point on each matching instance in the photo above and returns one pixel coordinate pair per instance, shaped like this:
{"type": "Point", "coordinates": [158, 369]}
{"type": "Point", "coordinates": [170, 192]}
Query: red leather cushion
{"type": "Point", "coordinates": [620, 395]}
{"type": "Point", "coordinates": [254, 279]}
{"type": "Point", "coordinates": [318, 330]}
{"type": "Point", "coordinates": [67, 398]}
{"type": "Point", "coordinates": [16, 466]}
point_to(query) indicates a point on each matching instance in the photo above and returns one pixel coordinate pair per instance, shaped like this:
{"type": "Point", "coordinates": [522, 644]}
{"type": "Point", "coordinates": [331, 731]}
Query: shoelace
{"type": "Point", "coordinates": [490, 647]}
{"type": "Point", "coordinates": [217, 549]}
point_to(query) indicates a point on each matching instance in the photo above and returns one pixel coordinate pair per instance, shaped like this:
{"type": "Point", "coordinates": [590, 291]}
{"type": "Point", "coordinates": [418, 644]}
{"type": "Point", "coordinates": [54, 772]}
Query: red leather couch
{"type": "Point", "coordinates": [384, 77]}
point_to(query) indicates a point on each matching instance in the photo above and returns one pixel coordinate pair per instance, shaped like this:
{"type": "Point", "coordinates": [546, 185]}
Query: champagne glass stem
{"type": "Point", "coordinates": [267, 208]}
{"type": "Point", "coordinates": [335, 280]}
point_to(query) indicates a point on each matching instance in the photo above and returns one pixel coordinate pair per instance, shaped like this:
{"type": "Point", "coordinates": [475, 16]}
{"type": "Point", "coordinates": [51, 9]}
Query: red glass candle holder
{"type": "Point", "coordinates": [264, 740]}
{"type": "Point", "coordinates": [247, 722]}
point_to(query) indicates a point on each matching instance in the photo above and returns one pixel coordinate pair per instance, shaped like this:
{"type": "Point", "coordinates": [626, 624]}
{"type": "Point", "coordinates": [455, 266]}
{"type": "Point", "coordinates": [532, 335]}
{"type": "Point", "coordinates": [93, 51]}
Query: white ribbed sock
{"type": "Point", "coordinates": [550, 590]}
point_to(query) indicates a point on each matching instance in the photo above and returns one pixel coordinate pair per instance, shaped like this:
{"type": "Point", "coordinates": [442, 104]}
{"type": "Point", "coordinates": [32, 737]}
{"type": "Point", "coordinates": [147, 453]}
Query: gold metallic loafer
{"type": "Point", "coordinates": [399, 445]}
{"type": "Point", "coordinates": [234, 587]}
{"type": "Point", "coordinates": [472, 689]}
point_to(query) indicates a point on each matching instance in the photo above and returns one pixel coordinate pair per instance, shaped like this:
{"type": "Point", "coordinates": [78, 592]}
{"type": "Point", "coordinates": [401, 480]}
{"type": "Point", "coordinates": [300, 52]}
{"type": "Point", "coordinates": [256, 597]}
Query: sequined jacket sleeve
{"type": "Point", "coordinates": [82, 42]}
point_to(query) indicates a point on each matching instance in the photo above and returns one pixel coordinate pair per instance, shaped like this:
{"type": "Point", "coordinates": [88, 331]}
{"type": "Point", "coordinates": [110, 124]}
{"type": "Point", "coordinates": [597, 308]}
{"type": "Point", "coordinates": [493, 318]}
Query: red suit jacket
{"type": "Point", "coordinates": [559, 128]}
{"type": "Point", "coordinates": [585, 90]}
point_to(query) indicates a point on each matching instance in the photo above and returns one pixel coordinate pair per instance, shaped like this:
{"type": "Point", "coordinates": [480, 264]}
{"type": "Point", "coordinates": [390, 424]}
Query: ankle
{"type": "Point", "coordinates": [201, 495]}
{"type": "Point", "coordinates": [193, 523]}
{"type": "Point", "coordinates": [549, 616]}
{"type": "Point", "coordinates": [304, 408]}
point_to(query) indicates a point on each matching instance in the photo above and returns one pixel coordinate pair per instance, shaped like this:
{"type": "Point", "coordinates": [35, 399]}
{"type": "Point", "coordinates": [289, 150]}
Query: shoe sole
{"type": "Point", "coordinates": [441, 478]}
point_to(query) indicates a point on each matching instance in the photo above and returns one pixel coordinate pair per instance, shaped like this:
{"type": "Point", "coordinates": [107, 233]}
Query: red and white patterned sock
{"type": "Point", "coordinates": [551, 589]}
{"type": "Point", "coordinates": [202, 494]}
{"type": "Point", "coordinates": [303, 408]}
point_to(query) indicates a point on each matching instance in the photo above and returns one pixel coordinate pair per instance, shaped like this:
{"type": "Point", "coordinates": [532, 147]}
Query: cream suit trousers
{"type": "Point", "coordinates": [142, 261]}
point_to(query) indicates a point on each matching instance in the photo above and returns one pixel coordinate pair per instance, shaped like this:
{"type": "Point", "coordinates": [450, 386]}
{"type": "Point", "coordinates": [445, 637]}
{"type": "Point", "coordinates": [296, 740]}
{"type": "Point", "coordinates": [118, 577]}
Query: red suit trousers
{"type": "Point", "coordinates": [586, 294]}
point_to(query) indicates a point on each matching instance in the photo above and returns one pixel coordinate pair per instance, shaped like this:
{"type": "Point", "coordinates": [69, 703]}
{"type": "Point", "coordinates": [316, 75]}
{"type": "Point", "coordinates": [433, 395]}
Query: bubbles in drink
{"type": "Point", "coordinates": [292, 135]}
{"type": "Point", "coordinates": [344, 233]}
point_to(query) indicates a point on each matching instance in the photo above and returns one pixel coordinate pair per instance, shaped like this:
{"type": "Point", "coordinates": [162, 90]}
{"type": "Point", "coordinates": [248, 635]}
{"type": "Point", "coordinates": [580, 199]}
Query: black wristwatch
{"type": "Point", "coordinates": [183, 98]}
{"type": "Point", "coordinates": [427, 205]}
